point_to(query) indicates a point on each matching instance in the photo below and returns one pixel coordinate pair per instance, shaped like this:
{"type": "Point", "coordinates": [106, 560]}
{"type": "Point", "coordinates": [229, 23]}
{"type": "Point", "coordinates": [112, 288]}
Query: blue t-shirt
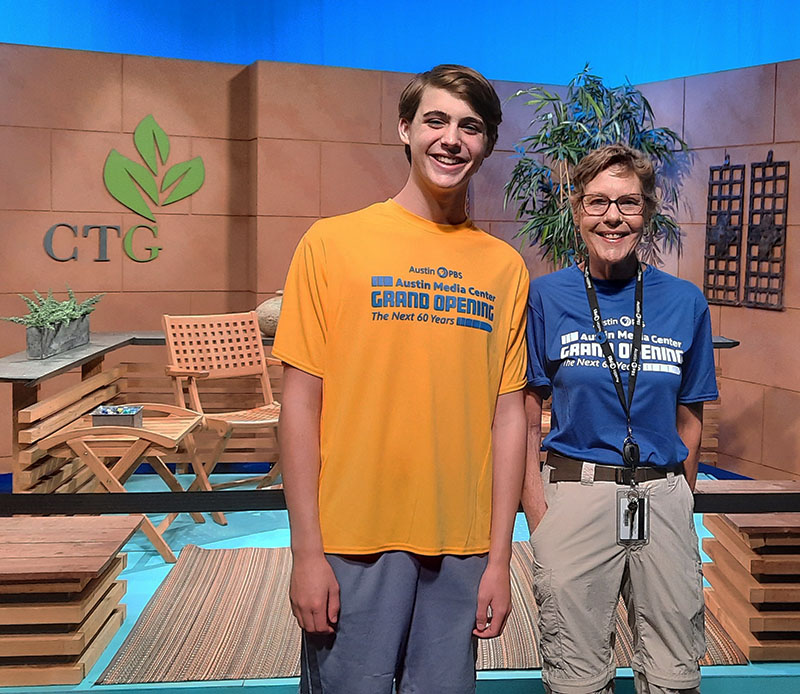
{"type": "Point", "coordinates": [677, 363]}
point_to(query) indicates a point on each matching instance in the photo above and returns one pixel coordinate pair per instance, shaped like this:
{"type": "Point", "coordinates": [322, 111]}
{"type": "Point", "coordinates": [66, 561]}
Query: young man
{"type": "Point", "coordinates": [403, 428]}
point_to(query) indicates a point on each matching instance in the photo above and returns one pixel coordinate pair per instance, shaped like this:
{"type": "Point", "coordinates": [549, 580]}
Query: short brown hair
{"type": "Point", "coordinates": [463, 82]}
{"type": "Point", "coordinates": [598, 160]}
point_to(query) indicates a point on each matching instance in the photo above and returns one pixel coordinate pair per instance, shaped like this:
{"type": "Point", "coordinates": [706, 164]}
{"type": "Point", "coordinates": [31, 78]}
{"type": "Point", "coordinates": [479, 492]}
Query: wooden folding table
{"type": "Point", "coordinates": [112, 453]}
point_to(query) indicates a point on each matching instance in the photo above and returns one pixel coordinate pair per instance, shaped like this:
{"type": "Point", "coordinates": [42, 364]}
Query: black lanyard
{"type": "Point", "coordinates": [611, 361]}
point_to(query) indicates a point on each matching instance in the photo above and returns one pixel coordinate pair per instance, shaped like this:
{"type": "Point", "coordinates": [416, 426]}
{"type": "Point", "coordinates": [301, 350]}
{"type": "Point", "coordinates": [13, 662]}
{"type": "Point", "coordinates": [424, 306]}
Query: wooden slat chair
{"type": "Point", "coordinates": [221, 346]}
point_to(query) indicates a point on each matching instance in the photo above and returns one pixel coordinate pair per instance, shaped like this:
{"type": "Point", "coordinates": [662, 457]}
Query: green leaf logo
{"type": "Point", "coordinates": [189, 175]}
{"type": "Point", "coordinates": [121, 174]}
{"type": "Point", "coordinates": [127, 180]}
{"type": "Point", "coordinates": [148, 137]}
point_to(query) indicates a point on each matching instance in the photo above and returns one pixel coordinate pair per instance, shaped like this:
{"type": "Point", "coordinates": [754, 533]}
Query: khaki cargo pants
{"type": "Point", "coordinates": [580, 571]}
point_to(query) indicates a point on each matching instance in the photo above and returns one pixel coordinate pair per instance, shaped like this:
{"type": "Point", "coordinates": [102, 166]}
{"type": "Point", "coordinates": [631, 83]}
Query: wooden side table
{"type": "Point", "coordinates": [98, 447]}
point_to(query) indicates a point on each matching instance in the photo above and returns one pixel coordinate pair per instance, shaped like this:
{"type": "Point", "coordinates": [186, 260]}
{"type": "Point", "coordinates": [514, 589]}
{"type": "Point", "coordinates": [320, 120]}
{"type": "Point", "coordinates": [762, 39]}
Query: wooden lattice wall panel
{"type": "Point", "coordinates": [765, 257]}
{"type": "Point", "coordinates": [724, 220]}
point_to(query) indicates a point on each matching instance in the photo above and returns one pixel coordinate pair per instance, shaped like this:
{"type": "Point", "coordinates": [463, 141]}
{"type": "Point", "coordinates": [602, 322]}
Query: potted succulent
{"type": "Point", "coordinates": [55, 326]}
{"type": "Point", "coordinates": [588, 116]}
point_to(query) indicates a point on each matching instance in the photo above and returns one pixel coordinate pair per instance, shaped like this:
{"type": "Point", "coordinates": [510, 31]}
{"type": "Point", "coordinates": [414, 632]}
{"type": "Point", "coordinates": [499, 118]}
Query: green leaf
{"type": "Point", "coordinates": [121, 176]}
{"type": "Point", "coordinates": [149, 137]}
{"type": "Point", "coordinates": [189, 175]}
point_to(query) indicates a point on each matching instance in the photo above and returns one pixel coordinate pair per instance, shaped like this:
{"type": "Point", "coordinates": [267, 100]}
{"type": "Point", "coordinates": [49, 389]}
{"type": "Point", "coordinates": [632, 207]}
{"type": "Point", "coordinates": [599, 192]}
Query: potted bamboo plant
{"type": "Point", "coordinates": [55, 326]}
{"type": "Point", "coordinates": [589, 116]}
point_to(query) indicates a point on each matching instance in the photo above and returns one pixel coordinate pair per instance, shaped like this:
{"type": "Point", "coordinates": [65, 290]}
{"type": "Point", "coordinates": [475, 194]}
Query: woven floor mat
{"type": "Point", "coordinates": [224, 614]}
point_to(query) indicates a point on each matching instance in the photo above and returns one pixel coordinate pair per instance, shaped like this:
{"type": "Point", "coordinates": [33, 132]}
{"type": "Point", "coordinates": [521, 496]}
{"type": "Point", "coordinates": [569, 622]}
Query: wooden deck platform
{"type": "Point", "coordinates": [59, 595]}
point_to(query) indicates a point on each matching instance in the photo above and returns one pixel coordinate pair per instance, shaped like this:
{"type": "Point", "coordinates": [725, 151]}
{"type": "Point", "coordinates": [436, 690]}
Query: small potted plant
{"type": "Point", "coordinates": [55, 326]}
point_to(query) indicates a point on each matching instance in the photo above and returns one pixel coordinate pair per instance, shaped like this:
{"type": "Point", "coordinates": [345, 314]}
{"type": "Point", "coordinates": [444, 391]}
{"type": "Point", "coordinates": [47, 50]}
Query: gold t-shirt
{"type": "Point", "coordinates": [415, 329]}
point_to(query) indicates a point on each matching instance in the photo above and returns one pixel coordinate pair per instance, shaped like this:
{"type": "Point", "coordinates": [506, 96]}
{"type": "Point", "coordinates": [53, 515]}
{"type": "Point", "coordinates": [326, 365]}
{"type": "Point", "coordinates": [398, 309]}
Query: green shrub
{"type": "Point", "coordinates": [49, 311]}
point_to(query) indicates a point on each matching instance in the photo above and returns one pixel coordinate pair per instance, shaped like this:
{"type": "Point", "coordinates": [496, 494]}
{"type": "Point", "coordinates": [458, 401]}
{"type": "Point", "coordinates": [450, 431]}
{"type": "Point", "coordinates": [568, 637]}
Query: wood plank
{"type": "Point", "coordinates": [62, 612]}
{"type": "Point", "coordinates": [67, 415]}
{"type": "Point", "coordinates": [746, 486]}
{"type": "Point", "coordinates": [761, 564]}
{"type": "Point", "coordinates": [55, 550]}
{"type": "Point", "coordinates": [49, 466]}
{"type": "Point", "coordinates": [79, 528]}
{"type": "Point", "coordinates": [752, 619]}
{"type": "Point", "coordinates": [67, 396]}
{"type": "Point", "coordinates": [63, 673]}
{"type": "Point", "coordinates": [49, 482]}
{"type": "Point", "coordinates": [72, 470]}
{"type": "Point", "coordinates": [723, 530]}
{"type": "Point", "coordinates": [765, 523]}
{"type": "Point", "coordinates": [754, 648]}
{"type": "Point", "coordinates": [29, 456]}
{"type": "Point", "coordinates": [66, 586]}
{"type": "Point", "coordinates": [752, 590]}
{"type": "Point", "coordinates": [63, 643]}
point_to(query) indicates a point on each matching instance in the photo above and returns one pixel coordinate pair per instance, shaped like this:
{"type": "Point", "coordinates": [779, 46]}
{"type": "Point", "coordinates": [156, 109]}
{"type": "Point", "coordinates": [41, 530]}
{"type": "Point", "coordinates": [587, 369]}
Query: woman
{"type": "Point", "coordinates": [611, 509]}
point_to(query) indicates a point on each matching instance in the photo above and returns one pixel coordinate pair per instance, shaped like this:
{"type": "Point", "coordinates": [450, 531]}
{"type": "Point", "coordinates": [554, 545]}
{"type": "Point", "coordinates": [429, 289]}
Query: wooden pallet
{"type": "Point", "coordinates": [755, 581]}
{"type": "Point", "coordinates": [60, 595]}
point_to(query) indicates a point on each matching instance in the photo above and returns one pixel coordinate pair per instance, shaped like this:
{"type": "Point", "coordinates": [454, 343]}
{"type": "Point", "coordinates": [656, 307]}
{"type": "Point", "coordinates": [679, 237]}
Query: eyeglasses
{"type": "Point", "coordinates": [597, 205]}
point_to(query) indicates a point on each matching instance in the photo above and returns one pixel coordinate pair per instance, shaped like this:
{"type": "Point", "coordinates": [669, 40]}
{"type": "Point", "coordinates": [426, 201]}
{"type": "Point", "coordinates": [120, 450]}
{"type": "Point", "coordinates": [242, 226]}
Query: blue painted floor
{"type": "Point", "coordinates": [146, 570]}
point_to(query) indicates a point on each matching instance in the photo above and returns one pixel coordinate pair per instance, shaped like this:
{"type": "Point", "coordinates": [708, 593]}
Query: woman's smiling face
{"type": "Point", "coordinates": [612, 237]}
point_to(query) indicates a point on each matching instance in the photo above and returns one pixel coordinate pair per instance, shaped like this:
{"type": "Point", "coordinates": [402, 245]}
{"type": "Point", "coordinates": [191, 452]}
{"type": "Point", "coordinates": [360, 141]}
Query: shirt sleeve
{"type": "Point", "coordinates": [513, 377]}
{"type": "Point", "coordinates": [537, 352]}
{"type": "Point", "coordinates": [699, 381]}
{"type": "Point", "coordinates": [303, 327]}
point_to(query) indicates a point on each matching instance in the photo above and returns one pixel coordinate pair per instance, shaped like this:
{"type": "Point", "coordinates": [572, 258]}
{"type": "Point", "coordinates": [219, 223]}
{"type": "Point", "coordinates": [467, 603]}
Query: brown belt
{"type": "Point", "coordinates": [569, 470]}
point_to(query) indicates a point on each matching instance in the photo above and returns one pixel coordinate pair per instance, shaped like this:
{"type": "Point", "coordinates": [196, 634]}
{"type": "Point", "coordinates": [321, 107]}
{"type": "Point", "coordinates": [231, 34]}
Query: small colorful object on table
{"type": "Point", "coordinates": [117, 415]}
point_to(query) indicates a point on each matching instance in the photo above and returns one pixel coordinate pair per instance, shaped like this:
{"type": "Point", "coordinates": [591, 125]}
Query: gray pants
{"type": "Point", "coordinates": [580, 571]}
{"type": "Point", "coordinates": [403, 617]}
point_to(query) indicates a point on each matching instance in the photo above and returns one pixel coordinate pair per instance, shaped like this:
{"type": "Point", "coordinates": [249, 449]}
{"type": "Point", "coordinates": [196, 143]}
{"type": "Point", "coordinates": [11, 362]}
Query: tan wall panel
{"type": "Point", "coordinates": [22, 236]}
{"type": "Point", "coordinates": [767, 354]}
{"type": "Point", "coordinates": [54, 88]}
{"type": "Point", "coordinates": [186, 97]}
{"type": "Point", "coordinates": [532, 254]}
{"type": "Point", "coordinates": [288, 178]}
{"type": "Point", "coordinates": [782, 429]}
{"type": "Point", "coordinates": [666, 99]}
{"type": "Point", "coordinates": [354, 175]}
{"type": "Point", "coordinates": [736, 107]}
{"type": "Point", "coordinates": [277, 238]}
{"type": "Point", "coordinates": [78, 162]}
{"type": "Point", "coordinates": [487, 189]}
{"type": "Point", "coordinates": [787, 110]}
{"type": "Point", "coordinates": [221, 302]}
{"type": "Point", "coordinates": [199, 253]}
{"type": "Point", "coordinates": [310, 102]}
{"type": "Point", "coordinates": [138, 310]}
{"type": "Point", "coordinates": [754, 470]}
{"type": "Point", "coordinates": [392, 85]}
{"type": "Point", "coordinates": [227, 189]}
{"type": "Point", "coordinates": [691, 265]}
{"type": "Point", "coordinates": [791, 287]}
{"type": "Point", "coordinates": [741, 423]}
{"type": "Point", "coordinates": [24, 168]}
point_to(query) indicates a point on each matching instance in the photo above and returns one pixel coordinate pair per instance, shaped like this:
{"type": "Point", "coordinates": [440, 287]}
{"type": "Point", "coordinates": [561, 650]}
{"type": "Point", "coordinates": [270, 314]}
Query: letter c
{"type": "Point", "coordinates": [48, 242]}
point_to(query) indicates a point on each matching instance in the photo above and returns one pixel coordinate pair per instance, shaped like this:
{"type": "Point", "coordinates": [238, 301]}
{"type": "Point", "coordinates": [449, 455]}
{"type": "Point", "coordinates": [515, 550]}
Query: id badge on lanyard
{"type": "Point", "coordinates": [633, 516]}
{"type": "Point", "coordinates": [633, 503]}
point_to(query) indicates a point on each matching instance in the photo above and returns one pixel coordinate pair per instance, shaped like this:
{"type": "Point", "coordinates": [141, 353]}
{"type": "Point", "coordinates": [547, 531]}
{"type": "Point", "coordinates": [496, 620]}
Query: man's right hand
{"type": "Point", "coordinates": [314, 595]}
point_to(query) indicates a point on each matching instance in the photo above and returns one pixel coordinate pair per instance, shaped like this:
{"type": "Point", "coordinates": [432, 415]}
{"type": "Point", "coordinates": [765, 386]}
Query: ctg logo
{"type": "Point", "coordinates": [141, 189]}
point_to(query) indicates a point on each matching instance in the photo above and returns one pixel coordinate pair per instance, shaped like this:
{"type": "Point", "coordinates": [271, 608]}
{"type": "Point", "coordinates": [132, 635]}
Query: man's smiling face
{"type": "Point", "coordinates": [448, 141]}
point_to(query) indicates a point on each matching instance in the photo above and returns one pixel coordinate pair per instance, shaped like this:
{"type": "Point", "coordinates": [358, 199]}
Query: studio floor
{"type": "Point", "coordinates": [146, 570]}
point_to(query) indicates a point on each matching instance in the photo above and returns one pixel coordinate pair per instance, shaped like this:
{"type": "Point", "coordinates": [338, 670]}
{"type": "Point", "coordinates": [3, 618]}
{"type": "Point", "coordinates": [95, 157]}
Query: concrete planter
{"type": "Point", "coordinates": [47, 342]}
